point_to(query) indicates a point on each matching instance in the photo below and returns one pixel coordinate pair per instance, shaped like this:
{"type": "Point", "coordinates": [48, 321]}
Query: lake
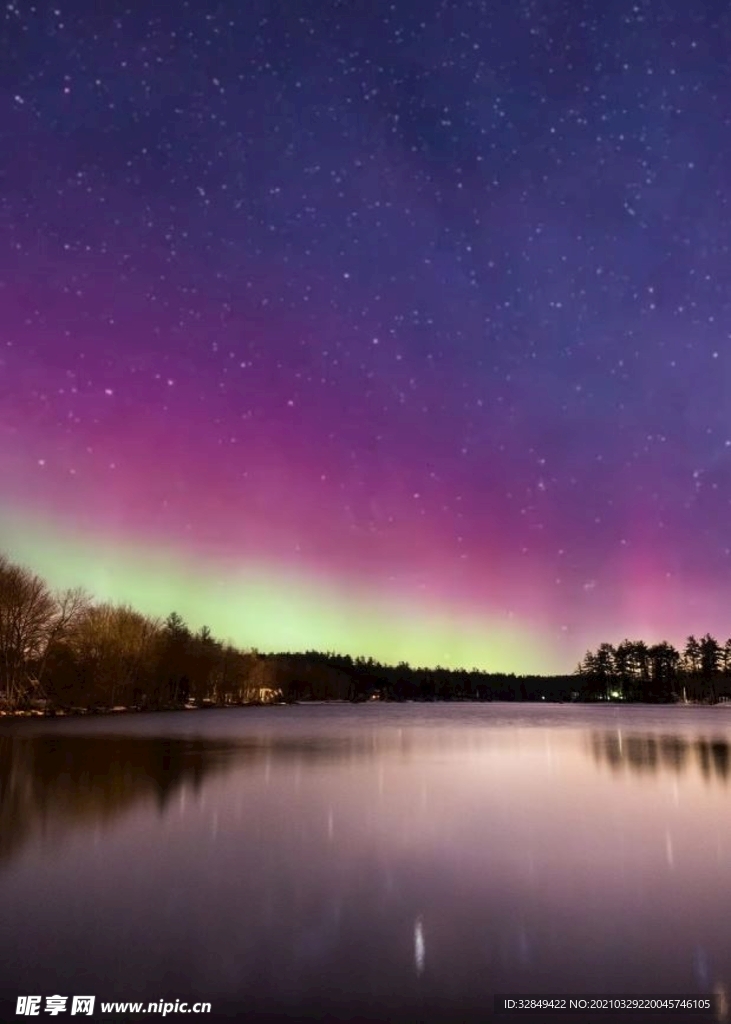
{"type": "Point", "coordinates": [376, 862]}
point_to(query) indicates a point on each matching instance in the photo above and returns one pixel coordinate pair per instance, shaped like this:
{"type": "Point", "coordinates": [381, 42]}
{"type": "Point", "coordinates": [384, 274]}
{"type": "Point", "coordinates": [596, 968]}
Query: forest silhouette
{"type": "Point", "coordinates": [62, 652]}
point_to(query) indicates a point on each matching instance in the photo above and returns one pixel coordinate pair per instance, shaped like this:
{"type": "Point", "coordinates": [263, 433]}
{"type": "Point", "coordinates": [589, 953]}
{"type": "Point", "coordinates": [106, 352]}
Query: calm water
{"type": "Point", "coordinates": [378, 861]}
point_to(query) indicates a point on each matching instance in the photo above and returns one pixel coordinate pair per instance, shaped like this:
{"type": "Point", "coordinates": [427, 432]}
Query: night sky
{"type": "Point", "coordinates": [393, 329]}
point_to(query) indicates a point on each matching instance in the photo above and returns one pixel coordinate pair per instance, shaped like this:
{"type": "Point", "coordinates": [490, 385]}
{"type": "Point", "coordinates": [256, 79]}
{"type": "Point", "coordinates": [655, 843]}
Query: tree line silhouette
{"type": "Point", "coordinates": [633, 670]}
{"type": "Point", "coordinates": [63, 651]}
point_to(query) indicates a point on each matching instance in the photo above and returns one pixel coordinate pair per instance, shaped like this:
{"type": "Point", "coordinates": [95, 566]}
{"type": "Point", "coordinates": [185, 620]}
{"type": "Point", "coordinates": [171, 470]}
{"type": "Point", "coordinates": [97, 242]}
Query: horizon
{"type": "Point", "coordinates": [156, 604]}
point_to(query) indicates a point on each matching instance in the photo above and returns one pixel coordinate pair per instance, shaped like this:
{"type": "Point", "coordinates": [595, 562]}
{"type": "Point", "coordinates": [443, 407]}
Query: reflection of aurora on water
{"type": "Point", "coordinates": [653, 753]}
{"type": "Point", "coordinates": [343, 859]}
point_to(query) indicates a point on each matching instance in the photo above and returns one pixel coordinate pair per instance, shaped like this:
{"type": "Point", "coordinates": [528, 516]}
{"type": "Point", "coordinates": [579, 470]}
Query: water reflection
{"type": "Point", "coordinates": [649, 753]}
{"type": "Point", "coordinates": [419, 946]}
{"type": "Point", "coordinates": [388, 864]}
{"type": "Point", "coordinates": [53, 783]}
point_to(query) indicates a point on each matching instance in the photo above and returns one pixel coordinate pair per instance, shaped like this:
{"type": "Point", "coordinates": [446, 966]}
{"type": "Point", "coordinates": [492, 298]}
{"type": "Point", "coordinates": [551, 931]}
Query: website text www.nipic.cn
{"type": "Point", "coordinates": [33, 1006]}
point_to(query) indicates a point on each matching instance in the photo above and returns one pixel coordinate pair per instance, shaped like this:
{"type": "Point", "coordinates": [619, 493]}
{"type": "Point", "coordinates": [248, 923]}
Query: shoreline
{"type": "Point", "coordinates": [35, 713]}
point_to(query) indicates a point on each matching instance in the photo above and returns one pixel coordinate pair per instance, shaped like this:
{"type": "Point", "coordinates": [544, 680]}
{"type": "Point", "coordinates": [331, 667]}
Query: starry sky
{"type": "Point", "coordinates": [388, 328]}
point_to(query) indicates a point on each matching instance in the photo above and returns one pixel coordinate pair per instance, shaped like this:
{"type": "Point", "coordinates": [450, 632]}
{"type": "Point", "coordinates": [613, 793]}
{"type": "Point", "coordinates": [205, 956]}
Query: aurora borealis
{"type": "Point", "coordinates": [400, 330]}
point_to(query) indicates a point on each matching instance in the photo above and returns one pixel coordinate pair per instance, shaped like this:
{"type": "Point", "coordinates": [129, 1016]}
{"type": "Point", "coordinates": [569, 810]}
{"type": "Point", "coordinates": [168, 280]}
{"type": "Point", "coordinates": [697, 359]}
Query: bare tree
{"type": "Point", "coordinates": [29, 615]}
{"type": "Point", "coordinates": [114, 646]}
{"type": "Point", "coordinates": [71, 606]}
